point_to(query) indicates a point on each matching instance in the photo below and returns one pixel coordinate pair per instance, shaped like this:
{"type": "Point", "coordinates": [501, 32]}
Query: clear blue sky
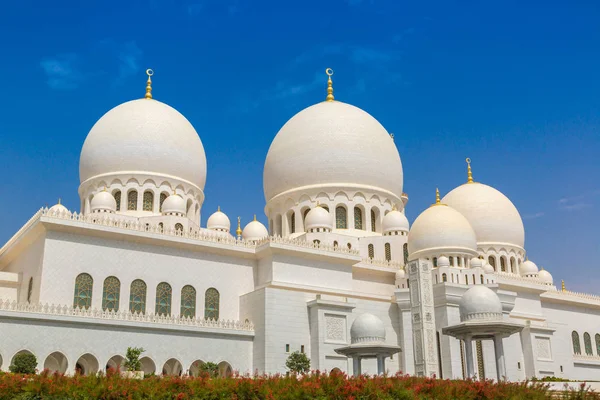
{"type": "Point", "coordinates": [513, 85]}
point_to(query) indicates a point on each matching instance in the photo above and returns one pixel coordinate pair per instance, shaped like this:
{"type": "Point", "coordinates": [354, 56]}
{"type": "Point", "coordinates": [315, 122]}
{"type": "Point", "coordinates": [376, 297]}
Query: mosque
{"type": "Point", "coordinates": [338, 274]}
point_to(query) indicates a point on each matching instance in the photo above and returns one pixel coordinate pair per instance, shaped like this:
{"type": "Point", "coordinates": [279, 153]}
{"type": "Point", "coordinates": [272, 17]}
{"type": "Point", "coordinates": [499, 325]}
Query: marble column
{"type": "Point", "coordinates": [469, 356]}
{"type": "Point", "coordinates": [500, 362]}
{"type": "Point", "coordinates": [380, 365]}
{"type": "Point", "coordinates": [356, 365]}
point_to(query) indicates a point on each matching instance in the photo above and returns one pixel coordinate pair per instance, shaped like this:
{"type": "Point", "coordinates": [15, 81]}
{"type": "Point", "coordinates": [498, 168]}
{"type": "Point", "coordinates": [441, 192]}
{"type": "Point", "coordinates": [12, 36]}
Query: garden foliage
{"type": "Point", "coordinates": [24, 363]}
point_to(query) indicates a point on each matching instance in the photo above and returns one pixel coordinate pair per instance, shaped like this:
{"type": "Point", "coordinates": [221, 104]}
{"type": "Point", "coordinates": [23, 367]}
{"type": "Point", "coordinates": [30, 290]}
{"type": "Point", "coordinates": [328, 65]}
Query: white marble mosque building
{"type": "Point", "coordinates": [338, 274]}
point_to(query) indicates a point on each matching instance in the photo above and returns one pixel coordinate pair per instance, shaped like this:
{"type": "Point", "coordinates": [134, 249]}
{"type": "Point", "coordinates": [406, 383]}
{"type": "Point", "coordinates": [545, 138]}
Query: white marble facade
{"type": "Point", "coordinates": [135, 267]}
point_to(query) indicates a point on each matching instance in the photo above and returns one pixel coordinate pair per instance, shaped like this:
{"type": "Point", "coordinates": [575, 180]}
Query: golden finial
{"type": "Point", "coordinates": [149, 72]}
{"type": "Point", "coordinates": [437, 196]}
{"type": "Point", "coordinates": [469, 172]}
{"type": "Point", "coordinates": [238, 231]}
{"type": "Point", "coordinates": [218, 208]}
{"type": "Point", "coordinates": [329, 97]}
{"type": "Point", "coordinates": [255, 217]}
{"type": "Point", "coordinates": [562, 284]}
{"type": "Point", "coordinates": [59, 201]}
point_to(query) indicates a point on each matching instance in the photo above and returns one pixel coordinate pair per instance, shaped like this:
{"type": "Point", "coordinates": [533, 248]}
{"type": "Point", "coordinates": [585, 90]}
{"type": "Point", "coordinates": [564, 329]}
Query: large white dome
{"type": "Point", "coordinates": [330, 145]}
{"type": "Point", "coordinates": [441, 229]}
{"type": "Point", "coordinates": [492, 215]}
{"type": "Point", "coordinates": [144, 136]}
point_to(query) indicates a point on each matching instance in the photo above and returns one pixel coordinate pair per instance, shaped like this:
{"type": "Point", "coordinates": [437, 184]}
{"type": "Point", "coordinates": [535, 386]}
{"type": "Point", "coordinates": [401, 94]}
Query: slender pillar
{"type": "Point", "coordinates": [500, 362]}
{"type": "Point", "coordinates": [469, 356]}
{"type": "Point", "coordinates": [356, 365]}
{"type": "Point", "coordinates": [380, 365]}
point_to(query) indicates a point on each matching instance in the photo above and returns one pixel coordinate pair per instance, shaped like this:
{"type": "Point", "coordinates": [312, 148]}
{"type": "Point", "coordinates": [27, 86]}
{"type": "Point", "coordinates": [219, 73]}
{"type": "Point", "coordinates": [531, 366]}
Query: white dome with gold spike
{"type": "Point", "coordinates": [218, 221]}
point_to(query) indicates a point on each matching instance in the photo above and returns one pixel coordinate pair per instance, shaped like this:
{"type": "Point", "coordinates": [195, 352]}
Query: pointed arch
{"type": "Point", "coordinates": [371, 251]}
{"type": "Point", "coordinates": [388, 252]}
{"type": "Point", "coordinates": [132, 197]}
{"type": "Point", "coordinates": [358, 218]}
{"type": "Point", "coordinates": [117, 195]}
{"type": "Point", "coordinates": [211, 303]}
{"type": "Point", "coordinates": [148, 201]}
{"type": "Point", "coordinates": [341, 221]}
{"type": "Point", "coordinates": [587, 343]}
{"type": "Point", "coordinates": [576, 344]}
{"type": "Point", "coordinates": [188, 302]}
{"type": "Point", "coordinates": [492, 262]}
{"type": "Point", "coordinates": [163, 299]}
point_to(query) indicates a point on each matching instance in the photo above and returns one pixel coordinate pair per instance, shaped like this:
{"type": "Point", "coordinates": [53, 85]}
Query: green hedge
{"type": "Point", "coordinates": [314, 386]}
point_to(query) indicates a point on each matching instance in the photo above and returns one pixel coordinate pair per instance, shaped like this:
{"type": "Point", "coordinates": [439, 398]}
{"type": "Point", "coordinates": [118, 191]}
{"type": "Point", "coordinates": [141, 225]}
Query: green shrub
{"type": "Point", "coordinates": [24, 363]}
{"type": "Point", "coordinates": [298, 362]}
{"type": "Point", "coordinates": [209, 369]}
{"type": "Point", "coordinates": [132, 358]}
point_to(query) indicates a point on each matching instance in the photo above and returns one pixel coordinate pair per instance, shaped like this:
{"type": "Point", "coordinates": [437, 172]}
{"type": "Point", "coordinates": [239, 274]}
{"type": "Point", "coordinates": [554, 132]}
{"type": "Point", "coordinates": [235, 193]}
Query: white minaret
{"type": "Point", "coordinates": [423, 317]}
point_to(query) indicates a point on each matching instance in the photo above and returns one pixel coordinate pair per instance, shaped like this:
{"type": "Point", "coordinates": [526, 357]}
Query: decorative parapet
{"type": "Point", "coordinates": [113, 221]}
{"type": "Point", "coordinates": [568, 293]}
{"type": "Point", "coordinates": [395, 265]}
{"type": "Point", "coordinates": [585, 357]}
{"type": "Point", "coordinates": [515, 277]}
{"type": "Point", "coordinates": [64, 310]}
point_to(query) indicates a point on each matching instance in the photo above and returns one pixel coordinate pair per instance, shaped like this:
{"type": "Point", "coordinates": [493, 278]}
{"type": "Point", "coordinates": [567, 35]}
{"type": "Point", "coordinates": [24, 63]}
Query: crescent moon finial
{"type": "Point", "coordinates": [148, 95]}
{"type": "Point", "coordinates": [329, 97]}
{"type": "Point", "coordinates": [469, 172]}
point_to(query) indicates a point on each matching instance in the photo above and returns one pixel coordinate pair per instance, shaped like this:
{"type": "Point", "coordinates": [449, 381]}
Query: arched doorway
{"type": "Point", "coordinates": [225, 370]}
{"type": "Point", "coordinates": [195, 368]}
{"type": "Point", "coordinates": [56, 362]}
{"type": "Point", "coordinates": [115, 363]}
{"type": "Point", "coordinates": [148, 366]}
{"type": "Point", "coordinates": [87, 364]}
{"type": "Point", "coordinates": [19, 353]}
{"type": "Point", "coordinates": [172, 367]}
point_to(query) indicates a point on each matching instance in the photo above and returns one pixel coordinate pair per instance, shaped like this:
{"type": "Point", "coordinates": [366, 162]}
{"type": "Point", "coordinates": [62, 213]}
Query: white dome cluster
{"type": "Point", "coordinates": [367, 328]}
{"type": "Point", "coordinates": [480, 303]}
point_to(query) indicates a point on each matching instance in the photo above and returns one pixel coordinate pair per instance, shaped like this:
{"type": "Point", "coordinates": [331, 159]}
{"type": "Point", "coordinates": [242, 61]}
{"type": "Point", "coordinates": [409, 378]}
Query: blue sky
{"type": "Point", "coordinates": [513, 85]}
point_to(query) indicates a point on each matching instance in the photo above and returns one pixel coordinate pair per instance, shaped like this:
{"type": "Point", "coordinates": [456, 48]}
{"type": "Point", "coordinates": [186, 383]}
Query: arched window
{"type": "Point", "coordinates": [587, 342]}
{"type": "Point", "coordinates": [293, 223]}
{"type": "Point", "coordinates": [434, 262]}
{"type": "Point", "coordinates": [148, 201]}
{"type": "Point", "coordinates": [110, 294]}
{"type": "Point", "coordinates": [163, 299]}
{"type": "Point", "coordinates": [211, 304]}
{"type": "Point", "coordinates": [117, 196]}
{"type": "Point", "coordinates": [188, 302]}
{"type": "Point", "coordinates": [512, 265]}
{"type": "Point", "coordinates": [316, 242]}
{"type": "Point", "coordinates": [388, 252]}
{"type": "Point", "coordinates": [340, 218]}
{"type": "Point", "coordinates": [597, 337]}
{"type": "Point", "coordinates": [576, 344]}
{"type": "Point", "coordinates": [405, 248]}
{"type": "Point", "coordinates": [83, 291]}
{"type": "Point", "coordinates": [178, 228]}
{"type": "Point", "coordinates": [335, 243]}
{"type": "Point", "coordinates": [137, 297]}
{"type": "Point", "coordinates": [163, 197]}
{"type": "Point", "coordinates": [373, 220]}
{"type": "Point", "coordinates": [503, 264]}
{"type": "Point", "coordinates": [160, 226]}
{"type": "Point", "coordinates": [444, 277]}
{"type": "Point", "coordinates": [358, 219]}
{"type": "Point", "coordinates": [492, 262]}
{"type": "Point", "coordinates": [451, 259]}
{"type": "Point", "coordinates": [29, 290]}
{"type": "Point", "coordinates": [371, 251]}
{"type": "Point", "coordinates": [132, 200]}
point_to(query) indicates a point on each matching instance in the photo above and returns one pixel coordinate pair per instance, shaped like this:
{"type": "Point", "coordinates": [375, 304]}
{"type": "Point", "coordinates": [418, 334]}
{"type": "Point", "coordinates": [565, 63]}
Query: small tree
{"type": "Point", "coordinates": [298, 362]}
{"type": "Point", "coordinates": [23, 363]}
{"type": "Point", "coordinates": [209, 368]}
{"type": "Point", "coordinates": [132, 358]}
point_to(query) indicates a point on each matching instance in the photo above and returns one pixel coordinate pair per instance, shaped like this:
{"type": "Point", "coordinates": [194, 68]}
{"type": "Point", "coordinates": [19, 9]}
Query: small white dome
{"type": "Point", "coordinates": [443, 261]}
{"type": "Point", "coordinates": [400, 274]}
{"type": "Point", "coordinates": [218, 221]}
{"type": "Point", "coordinates": [395, 221]}
{"type": "Point", "coordinates": [103, 202]}
{"type": "Point", "coordinates": [487, 268]}
{"type": "Point", "coordinates": [480, 303]}
{"type": "Point", "coordinates": [545, 276]}
{"type": "Point", "coordinates": [367, 328]}
{"type": "Point", "coordinates": [528, 268]}
{"type": "Point", "coordinates": [318, 217]}
{"type": "Point", "coordinates": [58, 208]}
{"type": "Point", "coordinates": [492, 215]}
{"type": "Point", "coordinates": [476, 262]}
{"type": "Point", "coordinates": [342, 147]}
{"type": "Point", "coordinates": [144, 136]}
{"type": "Point", "coordinates": [254, 231]}
{"type": "Point", "coordinates": [441, 229]}
{"type": "Point", "coordinates": [174, 204]}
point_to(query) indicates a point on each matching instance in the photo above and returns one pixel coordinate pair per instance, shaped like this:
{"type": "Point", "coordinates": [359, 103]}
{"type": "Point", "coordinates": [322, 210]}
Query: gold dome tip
{"type": "Point", "coordinates": [562, 284]}
{"type": "Point", "coordinates": [329, 73]}
{"type": "Point", "coordinates": [218, 208]}
{"type": "Point", "coordinates": [469, 172]}
{"type": "Point", "coordinates": [255, 217]}
{"type": "Point", "coordinates": [238, 231]}
{"type": "Point", "coordinates": [148, 95]}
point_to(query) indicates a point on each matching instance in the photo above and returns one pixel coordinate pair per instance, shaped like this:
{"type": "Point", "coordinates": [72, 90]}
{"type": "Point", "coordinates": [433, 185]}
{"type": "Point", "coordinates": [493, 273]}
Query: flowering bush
{"type": "Point", "coordinates": [313, 386]}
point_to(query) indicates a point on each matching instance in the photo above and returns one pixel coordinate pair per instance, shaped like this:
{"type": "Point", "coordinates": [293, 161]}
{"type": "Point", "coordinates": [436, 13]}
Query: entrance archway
{"type": "Point", "coordinates": [19, 353]}
{"type": "Point", "coordinates": [148, 366]}
{"type": "Point", "coordinates": [115, 363]}
{"type": "Point", "coordinates": [87, 364]}
{"type": "Point", "coordinates": [225, 370]}
{"type": "Point", "coordinates": [56, 362]}
{"type": "Point", "coordinates": [172, 367]}
{"type": "Point", "coordinates": [195, 368]}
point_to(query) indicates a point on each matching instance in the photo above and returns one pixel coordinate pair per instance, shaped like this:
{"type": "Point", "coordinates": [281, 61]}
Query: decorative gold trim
{"type": "Point", "coordinates": [238, 231]}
